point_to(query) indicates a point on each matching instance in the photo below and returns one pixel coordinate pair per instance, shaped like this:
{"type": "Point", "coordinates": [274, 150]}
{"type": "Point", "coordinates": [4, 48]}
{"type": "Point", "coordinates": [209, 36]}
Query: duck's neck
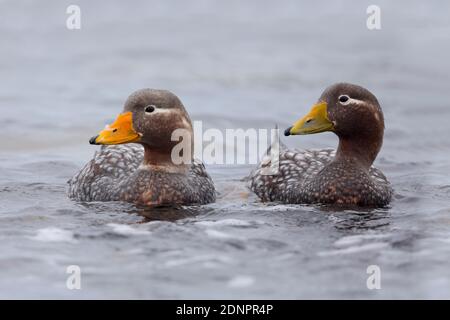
{"type": "Point", "coordinates": [361, 150]}
{"type": "Point", "coordinates": [161, 160]}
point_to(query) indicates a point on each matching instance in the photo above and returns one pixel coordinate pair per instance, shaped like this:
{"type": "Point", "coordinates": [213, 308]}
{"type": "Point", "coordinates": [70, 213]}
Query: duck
{"type": "Point", "coordinates": [146, 157]}
{"type": "Point", "coordinates": [345, 176]}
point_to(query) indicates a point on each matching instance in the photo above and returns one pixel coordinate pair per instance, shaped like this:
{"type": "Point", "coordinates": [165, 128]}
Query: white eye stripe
{"type": "Point", "coordinates": [157, 110]}
{"type": "Point", "coordinates": [160, 110]}
{"type": "Point", "coordinates": [356, 101]}
{"type": "Point", "coordinates": [350, 100]}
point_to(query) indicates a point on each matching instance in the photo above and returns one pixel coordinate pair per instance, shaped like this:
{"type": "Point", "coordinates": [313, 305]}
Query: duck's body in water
{"type": "Point", "coordinates": [144, 171]}
{"type": "Point", "coordinates": [345, 176]}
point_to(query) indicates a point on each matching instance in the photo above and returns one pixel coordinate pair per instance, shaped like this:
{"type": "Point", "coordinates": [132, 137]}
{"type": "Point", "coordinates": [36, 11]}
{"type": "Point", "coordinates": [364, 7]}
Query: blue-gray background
{"type": "Point", "coordinates": [234, 64]}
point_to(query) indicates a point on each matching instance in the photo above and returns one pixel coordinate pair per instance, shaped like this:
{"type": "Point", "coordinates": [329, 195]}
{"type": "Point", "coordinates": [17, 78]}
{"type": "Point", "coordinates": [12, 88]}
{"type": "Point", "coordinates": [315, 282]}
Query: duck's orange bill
{"type": "Point", "coordinates": [121, 131]}
{"type": "Point", "coordinates": [314, 122]}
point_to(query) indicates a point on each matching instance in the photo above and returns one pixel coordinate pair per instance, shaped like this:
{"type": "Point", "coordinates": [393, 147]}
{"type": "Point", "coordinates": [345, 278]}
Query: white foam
{"type": "Point", "coordinates": [198, 259]}
{"type": "Point", "coordinates": [241, 281]}
{"type": "Point", "coordinates": [278, 207]}
{"type": "Point", "coordinates": [352, 240]}
{"type": "Point", "coordinates": [354, 249]}
{"type": "Point", "coordinates": [224, 222]}
{"type": "Point", "coordinates": [127, 230]}
{"type": "Point", "coordinates": [54, 235]}
{"type": "Point", "coordinates": [218, 234]}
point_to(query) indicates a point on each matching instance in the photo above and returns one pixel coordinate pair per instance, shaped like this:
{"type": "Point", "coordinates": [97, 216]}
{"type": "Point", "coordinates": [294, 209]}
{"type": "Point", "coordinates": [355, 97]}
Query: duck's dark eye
{"type": "Point", "coordinates": [150, 108]}
{"type": "Point", "coordinates": [343, 98]}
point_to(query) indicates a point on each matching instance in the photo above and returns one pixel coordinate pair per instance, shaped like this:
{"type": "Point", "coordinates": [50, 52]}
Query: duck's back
{"type": "Point", "coordinates": [298, 171]}
{"type": "Point", "coordinates": [296, 167]}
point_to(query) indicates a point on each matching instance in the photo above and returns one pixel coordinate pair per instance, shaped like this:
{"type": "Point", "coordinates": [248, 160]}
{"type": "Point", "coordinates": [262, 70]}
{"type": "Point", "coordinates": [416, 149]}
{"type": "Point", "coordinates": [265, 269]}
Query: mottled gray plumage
{"type": "Point", "coordinates": [144, 172]}
{"type": "Point", "coordinates": [345, 176]}
{"type": "Point", "coordinates": [304, 177]}
{"type": "Point", "coordinates": [115, 174]}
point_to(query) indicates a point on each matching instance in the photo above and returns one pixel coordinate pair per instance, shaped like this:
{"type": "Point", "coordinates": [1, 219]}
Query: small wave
{"type": "Point", "coordinates": [126, 230]}
{"type": "Point", "coordinates": [208, 259]}
{"type": "Point", "coordinates": [357, 239]}
{"type": "Point", "coordinates": [241, 281]}
{"type": "Point", "coordinates": [354, 249]}
{"type": "Point", "coordinates": [219, 234]}
{"type": "Point", "coordinates": [227, 222]}
{"type": "Point", "coordinates": [54, 235]}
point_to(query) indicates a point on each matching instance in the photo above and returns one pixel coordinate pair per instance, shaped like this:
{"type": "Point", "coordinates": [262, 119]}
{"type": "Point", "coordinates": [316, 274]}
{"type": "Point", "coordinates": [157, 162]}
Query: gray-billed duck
{"type": "Point", "coordinates": [345, 176]}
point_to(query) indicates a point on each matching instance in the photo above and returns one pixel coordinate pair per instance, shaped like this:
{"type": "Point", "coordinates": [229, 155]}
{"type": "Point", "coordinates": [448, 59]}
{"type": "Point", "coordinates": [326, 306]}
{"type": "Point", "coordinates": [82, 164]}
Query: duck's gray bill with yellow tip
{"type": "Point", "coordinates": [314, 122]}
{"type": "Point", "coordinates": [119, 132]}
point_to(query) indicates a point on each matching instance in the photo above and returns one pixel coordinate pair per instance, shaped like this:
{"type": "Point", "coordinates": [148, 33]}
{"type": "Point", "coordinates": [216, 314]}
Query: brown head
{"type": "Point", "coordinates": [150, 118]}
{"type": "Point", "coordinates": [353, 114]}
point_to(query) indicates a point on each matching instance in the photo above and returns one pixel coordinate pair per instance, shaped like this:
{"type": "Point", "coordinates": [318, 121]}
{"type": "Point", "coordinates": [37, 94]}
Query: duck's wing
{"type": "Point", "coordinates": [201, 184]}
{"type": "Point", "coordinates": [96, 180]}
{"type": "Point", "coordinates": [381, 183]}
{"type": "Point", "coordinates": [294, 169]}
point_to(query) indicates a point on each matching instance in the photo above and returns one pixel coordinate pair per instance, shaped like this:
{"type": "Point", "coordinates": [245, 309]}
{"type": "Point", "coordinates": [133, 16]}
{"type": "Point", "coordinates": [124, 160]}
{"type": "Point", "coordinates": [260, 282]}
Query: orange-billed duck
{"type": "Point", "coordinates": [135, 161]}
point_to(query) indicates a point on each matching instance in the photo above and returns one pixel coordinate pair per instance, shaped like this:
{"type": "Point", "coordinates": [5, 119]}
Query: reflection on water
{"type": "Point", "coordinates": [160, 213]}
{"type": "Point", "coordinates": [234, 65]}
{"type": "Point", "coordinates": [369, 220]}
{"type": "Point", "coordinates": [169, 213]}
